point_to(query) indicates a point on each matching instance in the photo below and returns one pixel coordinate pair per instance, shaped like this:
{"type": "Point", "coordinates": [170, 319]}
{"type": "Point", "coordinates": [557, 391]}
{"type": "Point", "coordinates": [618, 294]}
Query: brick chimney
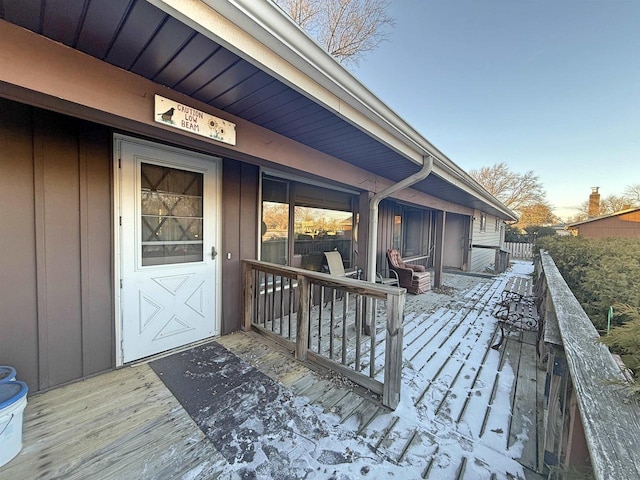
{"type": "Point", "coordinates": [594, 203]}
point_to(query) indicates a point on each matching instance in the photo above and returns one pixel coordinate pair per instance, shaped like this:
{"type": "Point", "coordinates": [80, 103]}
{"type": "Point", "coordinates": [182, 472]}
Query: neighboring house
{"type": "Point", "coordinates": [625, 223]}
{"type": "Point", "coordinates": [142, 140]}
{"type": "Point", "coordinates": [561, 229]}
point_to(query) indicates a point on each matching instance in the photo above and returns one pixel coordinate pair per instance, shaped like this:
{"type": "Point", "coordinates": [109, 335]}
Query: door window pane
{"type": "Point", "coordinates": [397, 230]}
{"type": "Point", "coordinates": [413, 224]}
{"type": "Point", "coordinates": [171, 215]}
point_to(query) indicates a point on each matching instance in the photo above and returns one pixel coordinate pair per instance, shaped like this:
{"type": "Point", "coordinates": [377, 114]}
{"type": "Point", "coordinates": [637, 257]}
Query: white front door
{"type": "Point", "coordinates": [167, 239]}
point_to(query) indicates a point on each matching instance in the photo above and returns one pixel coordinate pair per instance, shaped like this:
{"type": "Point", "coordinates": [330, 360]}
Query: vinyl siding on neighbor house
{"type": "Point", "coordinates": [489, 237]}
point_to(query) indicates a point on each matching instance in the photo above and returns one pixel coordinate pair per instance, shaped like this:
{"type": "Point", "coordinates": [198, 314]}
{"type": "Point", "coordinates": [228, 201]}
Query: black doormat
{"type": "Point", "coordinates": [261, 428]}
{"type": "Point", "coordinates": [221, 392]}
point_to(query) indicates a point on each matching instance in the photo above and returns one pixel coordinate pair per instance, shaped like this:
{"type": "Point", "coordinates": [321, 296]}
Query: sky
{"type": "Point", "coordinates": [551, 86]}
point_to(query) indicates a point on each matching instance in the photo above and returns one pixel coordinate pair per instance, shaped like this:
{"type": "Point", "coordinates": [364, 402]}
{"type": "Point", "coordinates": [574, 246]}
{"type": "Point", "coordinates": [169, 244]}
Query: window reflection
{"type": "Point", "coordinates": [300, 222]}
{"type": "Point", "coordinates": [319, 230]}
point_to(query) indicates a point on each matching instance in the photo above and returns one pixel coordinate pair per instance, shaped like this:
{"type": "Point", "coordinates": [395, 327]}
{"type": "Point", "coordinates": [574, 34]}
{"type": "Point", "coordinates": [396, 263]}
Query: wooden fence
{"type": "Point", "coordinates": [350, 326]}
{"type": "Point", "coordinates": [519, 250]}
{"type": "Point", "coordinates": [591, 426]}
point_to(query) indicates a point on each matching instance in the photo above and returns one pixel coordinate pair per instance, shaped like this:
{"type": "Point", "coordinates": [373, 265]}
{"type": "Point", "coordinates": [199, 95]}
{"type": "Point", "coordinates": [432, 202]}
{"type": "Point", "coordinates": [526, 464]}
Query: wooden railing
{"type": "Point", "coordinates": [350, 326]}
{"type": "Point", "coordinates": [590, 424]}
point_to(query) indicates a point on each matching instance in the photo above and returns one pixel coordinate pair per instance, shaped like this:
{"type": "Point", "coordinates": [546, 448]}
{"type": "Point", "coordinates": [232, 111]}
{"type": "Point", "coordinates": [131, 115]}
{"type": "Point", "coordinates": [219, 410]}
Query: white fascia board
{"type": "Point", "coordinates": [260, 32]}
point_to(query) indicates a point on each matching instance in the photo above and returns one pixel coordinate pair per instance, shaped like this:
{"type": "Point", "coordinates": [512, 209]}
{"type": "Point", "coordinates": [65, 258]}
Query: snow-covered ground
{"type": "Point", "coordinates": [452, 422]}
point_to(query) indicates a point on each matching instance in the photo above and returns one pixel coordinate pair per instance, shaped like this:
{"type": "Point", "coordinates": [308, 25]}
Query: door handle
{"type": "Point", "coordinates": [214, 253]}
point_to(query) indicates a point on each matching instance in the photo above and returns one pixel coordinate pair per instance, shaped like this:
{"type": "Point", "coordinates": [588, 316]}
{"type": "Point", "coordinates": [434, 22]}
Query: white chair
{"type": "Point", "coordinates": [336, 266]}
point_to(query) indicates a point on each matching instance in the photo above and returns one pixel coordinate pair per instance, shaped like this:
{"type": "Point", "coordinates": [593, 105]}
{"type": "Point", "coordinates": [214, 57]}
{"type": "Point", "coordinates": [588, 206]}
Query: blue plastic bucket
{"type": "Point", "coordinates": [13, 399]}
{"type": "Point", "coordinates": [7, 374]}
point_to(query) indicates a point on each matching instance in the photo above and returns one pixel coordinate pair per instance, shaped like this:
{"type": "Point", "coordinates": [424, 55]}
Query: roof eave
{"type": "Point", "coordinates": [279, 46]}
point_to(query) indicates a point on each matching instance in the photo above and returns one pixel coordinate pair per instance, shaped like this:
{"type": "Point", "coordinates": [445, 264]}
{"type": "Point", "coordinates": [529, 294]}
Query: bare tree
{"type": "Point", "coordinates": [612, 204]}
{"type": "Point", "coordinates": [608, 205]}
{"type": "Point", "coordinates": [303, 12]}
{"type": "Point", "coordinates": [515, 190]}
{"type": "Point", "coordinates": [347, 29]}
{"type": "Point", "coordinates": [632, 194]}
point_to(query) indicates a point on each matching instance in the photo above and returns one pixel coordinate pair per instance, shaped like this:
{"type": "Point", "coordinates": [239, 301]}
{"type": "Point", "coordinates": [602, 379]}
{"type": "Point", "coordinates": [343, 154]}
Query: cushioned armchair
{"type": "Point", "coordinates": [412, 277]}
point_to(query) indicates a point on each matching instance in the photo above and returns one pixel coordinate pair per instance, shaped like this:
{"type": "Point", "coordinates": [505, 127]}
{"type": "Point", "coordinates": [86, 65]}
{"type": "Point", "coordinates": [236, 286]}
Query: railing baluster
{"type": "Point", "coordinates": [281, 280]}
{"type": "Point", "coordinates": [291, 299]}
{"type": "Point", "coordinates": [302, 331]}
{"type": "Point", "coordinates": [264, 300]}
{"type": "Point", "coordinates": [372, 333]}
{"type": "Point", "coordinates": [332, 322]}
{"type": "Point", "coordinates": [310, 310]}
{"type": "Point", "coordinates": [320, 320]}
{"type": "Point", "coordinates": [358, 325]}
{"type": "Point", "coordinates": [272, 316]}
{"type": "Point", "coordinates": [345, 309]}
{"type": "Point", "coordinates": [256, 296]}
{"type": "Point", "coordinates": [304, 290]}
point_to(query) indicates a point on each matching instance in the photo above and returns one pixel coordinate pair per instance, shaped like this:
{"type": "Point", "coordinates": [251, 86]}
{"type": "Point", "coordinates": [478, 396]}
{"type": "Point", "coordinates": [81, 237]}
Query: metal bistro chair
{"type": "Point", "coordinates": [388, 277]}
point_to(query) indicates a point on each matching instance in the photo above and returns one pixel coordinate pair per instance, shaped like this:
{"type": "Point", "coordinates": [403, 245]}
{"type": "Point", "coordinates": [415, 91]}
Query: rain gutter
{"type": "Point", "coordinates": [427, 167]}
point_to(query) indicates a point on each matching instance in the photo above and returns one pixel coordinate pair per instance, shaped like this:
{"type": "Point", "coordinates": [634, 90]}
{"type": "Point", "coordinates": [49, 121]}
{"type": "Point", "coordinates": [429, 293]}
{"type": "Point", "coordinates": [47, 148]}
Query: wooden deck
{"type": "Point", "coordinates": [467, 411]}
{"type": "Point", "coordinates": [120, 425]}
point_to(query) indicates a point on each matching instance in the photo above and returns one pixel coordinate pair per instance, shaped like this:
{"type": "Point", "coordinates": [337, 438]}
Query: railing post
{"type": "Point", "coordinates": [302, 331]}
{"type": "Point", "coordinates": [247, 275]}
{"type": "Point", "coordinates": [393, 352]}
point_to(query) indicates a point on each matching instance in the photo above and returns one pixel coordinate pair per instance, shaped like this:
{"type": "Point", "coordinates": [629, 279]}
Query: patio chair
{"type": "Point", "coordinates": [412, 277]}
{"type": "Point", "coordinates": [336, 267]}
{"type": "Point", "coordinates": [388, 277]}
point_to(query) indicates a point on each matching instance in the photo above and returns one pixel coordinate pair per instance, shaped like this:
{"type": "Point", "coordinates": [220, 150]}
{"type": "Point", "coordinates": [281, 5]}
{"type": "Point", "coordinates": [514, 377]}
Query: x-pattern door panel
{"type": "Point", "coordinates": [168, 226]}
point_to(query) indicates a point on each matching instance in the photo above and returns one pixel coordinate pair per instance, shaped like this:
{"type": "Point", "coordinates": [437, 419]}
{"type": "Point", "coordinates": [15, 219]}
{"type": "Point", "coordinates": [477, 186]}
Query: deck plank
{"type": "Point", "coordinates": [142, 432]}
{"type": "Point", "coordinates": [133, 431]}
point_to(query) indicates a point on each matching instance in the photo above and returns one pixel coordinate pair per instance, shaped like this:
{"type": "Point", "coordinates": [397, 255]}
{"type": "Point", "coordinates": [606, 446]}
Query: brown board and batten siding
{"type": "Point", "coordinates": [239, 234]}
{"type": "Point", "coordinates": [56, 301]}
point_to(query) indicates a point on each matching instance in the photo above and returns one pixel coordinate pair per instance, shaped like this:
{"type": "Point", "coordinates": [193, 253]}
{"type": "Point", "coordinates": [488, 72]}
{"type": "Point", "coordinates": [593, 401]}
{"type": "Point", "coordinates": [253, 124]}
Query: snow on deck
{"type": "Point", "coordinates": [467, 411]}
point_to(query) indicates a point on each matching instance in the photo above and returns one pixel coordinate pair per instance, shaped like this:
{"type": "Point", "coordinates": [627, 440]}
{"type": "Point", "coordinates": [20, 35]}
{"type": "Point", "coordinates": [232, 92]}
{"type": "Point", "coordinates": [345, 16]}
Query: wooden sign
{"type": "Point", "coordinates": [195, 121]}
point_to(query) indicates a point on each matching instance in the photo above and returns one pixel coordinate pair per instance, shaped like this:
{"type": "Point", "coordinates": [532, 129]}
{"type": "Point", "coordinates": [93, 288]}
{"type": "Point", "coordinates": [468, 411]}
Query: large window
{"type": "Point", "coordinates": [300, 222]}
{"type": "Point", "coordinates": [275, 222]}
{"type": "Point", "coordinates": [413, 231]}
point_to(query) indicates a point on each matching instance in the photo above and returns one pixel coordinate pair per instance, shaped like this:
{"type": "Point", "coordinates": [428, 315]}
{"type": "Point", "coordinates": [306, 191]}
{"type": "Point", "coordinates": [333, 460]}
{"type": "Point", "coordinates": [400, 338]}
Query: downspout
{"type": "Point", "coordinates": [427, 167]}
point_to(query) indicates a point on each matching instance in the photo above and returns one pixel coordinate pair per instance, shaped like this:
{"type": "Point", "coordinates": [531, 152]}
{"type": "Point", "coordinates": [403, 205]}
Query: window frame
{"type": "Point", "coordinates": [483, 222]}
{"type": "Point", "coordinates": [300, 194]}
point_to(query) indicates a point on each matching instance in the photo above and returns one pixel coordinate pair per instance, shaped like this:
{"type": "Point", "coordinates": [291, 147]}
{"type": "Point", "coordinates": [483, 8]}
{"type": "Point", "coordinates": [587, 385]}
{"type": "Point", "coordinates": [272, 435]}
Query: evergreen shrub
{"type": "Point", "coordinates": [604, 273]}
